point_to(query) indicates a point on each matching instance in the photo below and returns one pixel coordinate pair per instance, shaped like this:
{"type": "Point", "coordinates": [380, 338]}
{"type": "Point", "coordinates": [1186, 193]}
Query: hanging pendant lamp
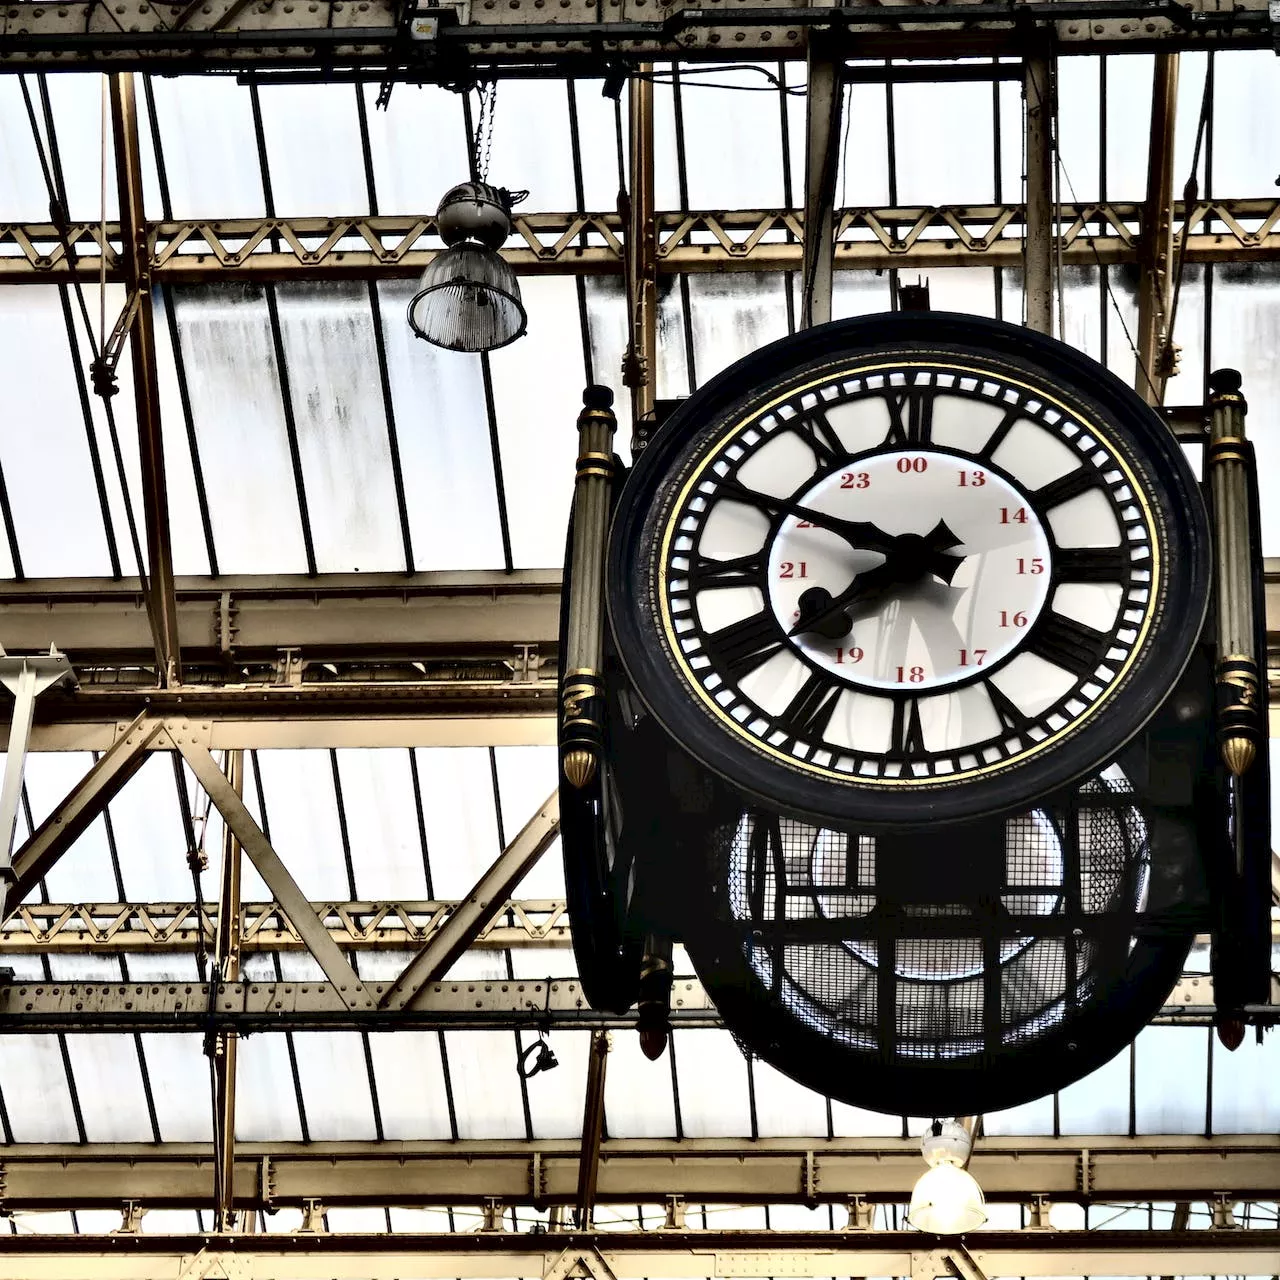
{"type": "Point", "coordinates": [469, 298]}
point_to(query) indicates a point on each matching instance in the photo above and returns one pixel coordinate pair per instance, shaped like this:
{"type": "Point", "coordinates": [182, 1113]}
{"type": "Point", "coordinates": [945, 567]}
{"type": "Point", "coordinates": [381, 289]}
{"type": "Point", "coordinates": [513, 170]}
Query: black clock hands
{"type": "Point", "coordinates": [909, 558]}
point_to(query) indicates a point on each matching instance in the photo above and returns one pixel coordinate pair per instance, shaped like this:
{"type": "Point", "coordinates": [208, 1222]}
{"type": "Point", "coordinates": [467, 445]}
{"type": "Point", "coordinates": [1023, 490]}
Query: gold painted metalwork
{"type": "Point", "coordinates": [580, 767]}
{"type": "Point", "coordinates": [832, 376]}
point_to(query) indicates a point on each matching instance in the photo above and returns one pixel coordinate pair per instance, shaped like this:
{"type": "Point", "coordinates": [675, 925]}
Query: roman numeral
{"type": "Point", "coordinates": [742, 646]}
{"type": "Point", "coordinates": [1064, 488]}
{"type": "Point", "coordinates": [1011, 716]}
{"type": "Point", "coordinates": [817, 432]}
{"type": "Point", "coordinates": [809, 712]}
{"type": "Point", "coordinates": [906, 737]}
{"type": "Point", "coordinates": [1091, 564]}
{"type": "Point", "coordinates": [996, 439]}
{"type": "Point", "coordinates": [742, 571]}
{"type": "Point", "coordinates": [1067, 643]}
{"type": "Point", "coordinates": [910, 417]}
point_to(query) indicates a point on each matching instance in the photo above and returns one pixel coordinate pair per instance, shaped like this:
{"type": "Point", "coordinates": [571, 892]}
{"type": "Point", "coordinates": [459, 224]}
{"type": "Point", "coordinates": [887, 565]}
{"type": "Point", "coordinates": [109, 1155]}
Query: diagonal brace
{"type": "Point", "coordinates": [478, 909]}
{"type": "Point", "coordinates": [293, 902]}
{"type": "Point", "coordinates": [60, 830]}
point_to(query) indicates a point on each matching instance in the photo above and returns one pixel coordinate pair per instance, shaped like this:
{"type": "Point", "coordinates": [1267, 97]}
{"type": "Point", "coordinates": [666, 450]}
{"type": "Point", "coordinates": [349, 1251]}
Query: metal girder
{"type": "Point", "coordinates": [1039, 101]}
{"type": "Point", "coordinates": [119, 928]}
{"type": "Point", "coordinates": [550, 1003]}
{"type": "Point", "coordinates": [478, 910]}
{"type": "Point", "coordinates": [630, 1255]}
{"type": "Point", "coordinates": [824, 107]}
{"type": "Point", "coordinates": [136, 262]}
{"type": "Point", "coordinates": [787, 1170]}
{"type": "Point", "coordinates": [871, 239]}
{"type": "Point", "coordinates": [581, 36]}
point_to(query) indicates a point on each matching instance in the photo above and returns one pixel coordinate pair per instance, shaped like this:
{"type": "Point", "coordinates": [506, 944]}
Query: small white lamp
{"type": "Point", "coordinates": [946, 1200]}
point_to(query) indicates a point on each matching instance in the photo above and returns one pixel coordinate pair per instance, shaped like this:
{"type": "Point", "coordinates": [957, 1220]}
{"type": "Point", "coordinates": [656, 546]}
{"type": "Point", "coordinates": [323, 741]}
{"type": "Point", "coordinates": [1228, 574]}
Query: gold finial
{"type": "Point", "coordinates": [579, 767]}
{"type": "Point", "coordinates": [1238, 753]}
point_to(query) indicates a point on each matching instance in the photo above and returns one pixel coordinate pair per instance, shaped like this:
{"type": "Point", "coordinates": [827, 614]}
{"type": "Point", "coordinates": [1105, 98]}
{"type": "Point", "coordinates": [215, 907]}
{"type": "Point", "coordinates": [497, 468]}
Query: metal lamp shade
{"type": "Point", "coordinates": [469, 300]}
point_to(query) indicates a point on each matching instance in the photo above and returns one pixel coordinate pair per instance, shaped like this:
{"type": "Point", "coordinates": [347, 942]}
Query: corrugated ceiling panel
{"type": "Point", "coordinates": [442, 428]}
{"type": "Point", "coordinates": [314, 156]}
{"type": "Point", "coordinates": [210, 156]}
{"type": "Point", "coordinates": [240, 428]}
{"type": "Point", "coordinates": [409, 1073]}
{"type": "Point", "coordinates": [59, 526]}
{"type": "Point", "coordinates": [329, 351]}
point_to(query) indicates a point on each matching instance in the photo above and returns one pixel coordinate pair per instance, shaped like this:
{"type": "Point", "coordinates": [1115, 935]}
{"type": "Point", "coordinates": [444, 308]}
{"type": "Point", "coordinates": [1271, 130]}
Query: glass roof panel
{"type": "Point", "coordinates": [443, 434]}
{"type": "Point", "coordinates": [1128, 99]}
{"type": "Point", "coordinates": [382, 824]}
{"type": "Point", "coordinates": [486, 1089]}
{"type": "Point", "coordinates": [864, 167]}
{"type": "Point", "coordinates": [23, 194]}
{"type": "Point", "coordinates": [855, 1122]}
{"type": "Point", "coordinates": [409, 1073]}
{"type": "Point", "coordinates": [544, 962]}
{"type": "Point", "coordinates": [150, 841]}
{"type": "Point", "coordinates": [266, 1104]}
{"type": "Point", "coordinates": [59, 526]}
{"type": "Point", "coordinates": [859, 293]}
{"type": "Point", "coordinates": [298, 794]}
{"type": "Point", "coordinates": [83, 134]}
{"type": "Point", "coordinates": [597, 142]}
{"type": "Point", "coordinates": [1245, 101]}
{"type": "Point", "coordinates": [711, 1075]}
{"type": "Point", "coordinates": [638, 1101]}
{"type": "Point", "coordinates": [531, 149]}
{"type": "Point", "coordinates": [607, 328]}
{"type": "Point", "coordinates": [418, 145]}
{"type": "Point", "coordinates": [1170, 1082]}
{"type": "Point", "coordinates": [1079, 81]}
{"type": "Point", "coordinates": [209, 152]}
{"type": "Point", "coordinates": [1035, 1116]}
{"type": "Point", "coordinates": [314, 156]}
{"type": "Point", "coordinates": [234, 384]}
{"type": "Point", "coordinates": [785, 1108]}
{"type": "Point", "coordinates": [330, 355]}
{"type": "Point", "coordinates": [1245, 1099]}
{"type": "Point", "coordinates": [335, 1085]}
{"type": "Point", "coordinates": [968, 289]}
{"type": "Point", "coordinates": [526, 778]}
{"type": "Point", "coordinates": [1100, 1102]}
{"type": "Point", "coordinates": [84, 873]}
{"type": "Point", "coordinates": [556, 1096]}
{"type": "Point", "coordinates": [536, 413]}
{"type": "Point", "coordinates": [180, 1083]}
{"type": "Point", "coordinates": [36, 1097]}
{"type": "Point", "coordinates": [458, 813]}
{"type": "Point", "coordinates": [944, 149]}
{"type": "Point", "coordinates": [109, 1085]}
{"type": "Point", "coordinates": [734, 314]}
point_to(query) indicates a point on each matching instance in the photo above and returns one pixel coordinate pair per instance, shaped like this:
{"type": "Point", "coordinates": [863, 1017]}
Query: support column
{"type": "Point", "coordinates": [1156, 244]}
{"type": "Point", "coordinates": [592, 1129]}
{"type": "Point", "coordinates": [822, 164]}
{"type": "Point", "coordinates": [227, 1043]}
{"type": "Point", "coordinates": [640, 371]}
{"type": "Point", "coordinates": [1038, 258]}
{"type": "Point", "coordinates": [136, 261]}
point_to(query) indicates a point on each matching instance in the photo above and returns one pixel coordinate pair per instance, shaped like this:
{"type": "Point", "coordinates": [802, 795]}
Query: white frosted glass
{"type": "Point", "coordinates": [1034, 1117]}
{"type": "Point", "coordinates": [1246, 335]}
{"type": "Point", "coordinates": [443, 434]}
{"type": "Point", "coordinates": [410, 1079]}
{"type": "Point", "coordinates": [335, 1085]}
{"type": "Point", "coordinates": [303, 812]}
{"type": "Point", "coordinates": [1187, 387]}
{"type": "Point", "coordinates": [555, 1097]}
{"type": "Point", "coordinates": [1246, 100]}
{"type": "Point", "coordinates": [674, 376]}
{"type": "Point", "coordinates": [60, 527]}
{"type": "Point", "coordinates": [109, 1086]}
{"type": "Point", "coordinates": [84, 873]}
{"type": "Point", "coordinates": [240, 429]}
{"type": "Point", "coordinates": [733, 139]}
{"type": "Point", "coordinates": [638, 1101]}
{"type": "Point", "coordinates": [1079, 120]}
{"type": "Point", "coordinates": [1128, 106]}
{"type": "Point", "coordinates": [314, 154]}
{"type": "Point", "coordinates": [1192, 67]}
{"type": "Point", "coordinates": [457, 809]}
{"type": "Point", "coordinates": [338, 410]}
{"type": "Point", "coordinates": [859, 293]}
{"type": "Point", "coordinates": [1122, 321]}
{"type": "Point", "coordinates": [607, 324]}
{"type": "Point", "coordinates": [531, 149]}
{"type": "Point", "coordinates": [666, 171]}
{"type": "Point", "coordinates": [266, 1105]}
{"type": "Point", "coordinates": [1081, 310]}
{"type": "Point", "coordinates": [537, 394]}
{"type": "Point", "coordinates": [970, 290]}
{"type": "Point", "coordinates": [597, 142]}
{"type": "Point", "coordinates": [1100, 1102]}
{"type": "Point", "coordinates": [210, 155]}
{"type": "Point", "coordinates": [545, 962]}
{"type": "Point", "coordinates": [864, 166]}
{"type": "Point", "coordinates": [150, 841]}
{"type": "Point", "coordinates": [1171, 1080]}
{"type": "Point", "coordinates": [1245, 1099]}
{"type": "Point", "coordinates": [486, 1092]}
{"type": "Point", "coordinates": [77, 117]}
{"type": "Point", "coordinates": [734, 315]}
{"type": "Point", "coordinates": [35, 1089]}
{"type": "Point", "coordinates": [23, 194]}
{"type": "Point", "coordinates": [526, 778]}
{"type": "Point", "coordinates": [856, 1122]}
{"type": "Point", "coordinates": [784, 1108]}
{"type": "Point", "coordinates": [418, 144]}
{"type": "Point", "coordinates": [382, 824]}
{"type": "Point", "coordinates": [944, 146]}
{"type": "Point", "coordinates": [712, 1074]}
{"type": "Point", "coordinates": [186, 531]}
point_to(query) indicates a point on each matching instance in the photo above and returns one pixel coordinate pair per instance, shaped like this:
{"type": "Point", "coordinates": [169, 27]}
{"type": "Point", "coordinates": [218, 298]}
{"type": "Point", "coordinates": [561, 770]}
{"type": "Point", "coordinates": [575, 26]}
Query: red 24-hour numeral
{"type": "Point", "coordinates": [849, 655]}
{"type": "Point", "coordinates": [793, 569]}
{"type": "Point", "coordinates": [1014, 515]}
{"type": "Point", "coordinates": [972, 479]}
{"type": "Point", "coordinates": [972, 657]}
{"type": "Point", "coordinates": [1034, 565]}
{"type": "Point", "coordinates": [910, 675]}
{"type": "Point", "coordinates": [907, 465]}
{"type": "Point", "coordinates": [855, 480]}
{"type": "Point", "coordinates": [1018, 619]}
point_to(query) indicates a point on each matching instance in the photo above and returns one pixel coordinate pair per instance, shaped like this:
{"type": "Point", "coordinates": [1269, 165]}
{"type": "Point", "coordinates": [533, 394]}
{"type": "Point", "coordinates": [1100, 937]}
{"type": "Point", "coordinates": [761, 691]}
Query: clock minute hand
{"type": "Point", "coordinates": [861, 534]}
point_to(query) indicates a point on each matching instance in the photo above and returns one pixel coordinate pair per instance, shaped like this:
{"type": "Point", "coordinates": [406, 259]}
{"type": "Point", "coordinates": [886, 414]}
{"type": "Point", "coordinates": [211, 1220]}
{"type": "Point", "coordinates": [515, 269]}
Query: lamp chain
{"type": "Point", "coordinates": [488, 94]}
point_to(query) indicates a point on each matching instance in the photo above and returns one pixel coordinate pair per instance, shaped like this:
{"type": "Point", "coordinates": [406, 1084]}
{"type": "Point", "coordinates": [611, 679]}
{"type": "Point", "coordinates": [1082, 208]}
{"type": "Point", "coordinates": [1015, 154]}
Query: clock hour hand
{"type": "Point", "coordinates": [862, 535]}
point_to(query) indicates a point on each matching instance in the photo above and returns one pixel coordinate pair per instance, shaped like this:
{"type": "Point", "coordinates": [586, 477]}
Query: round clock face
{"type": "Point", "coordinates": [880, 576]}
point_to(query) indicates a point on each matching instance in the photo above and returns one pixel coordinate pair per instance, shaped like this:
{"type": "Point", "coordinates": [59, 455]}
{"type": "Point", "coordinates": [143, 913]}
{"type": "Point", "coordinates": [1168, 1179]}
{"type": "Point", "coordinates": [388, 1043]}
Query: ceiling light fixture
{"type": "Point", "coordinates": [946, 1200]}
{"type": "Point", "coordinates": [469, 298]}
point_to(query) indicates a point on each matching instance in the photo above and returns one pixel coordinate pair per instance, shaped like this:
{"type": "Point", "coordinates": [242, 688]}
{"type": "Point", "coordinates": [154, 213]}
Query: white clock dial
{"type": "Point", "coordinates": [908, 575]}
